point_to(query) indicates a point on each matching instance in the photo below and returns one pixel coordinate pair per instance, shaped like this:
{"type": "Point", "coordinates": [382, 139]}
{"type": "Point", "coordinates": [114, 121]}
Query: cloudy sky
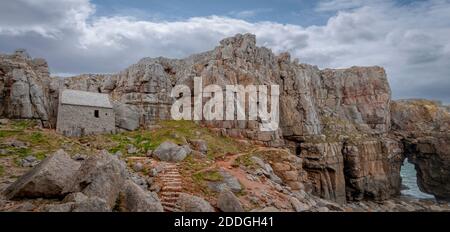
{"type": "Point", "coordinates": [411, 39]}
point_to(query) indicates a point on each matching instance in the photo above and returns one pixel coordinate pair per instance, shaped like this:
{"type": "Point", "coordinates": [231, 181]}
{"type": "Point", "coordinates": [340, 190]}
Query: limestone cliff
{"type": "Point", "coordinates": [25, 88]}
{"type": "Point", "coordinates": [337, 121]}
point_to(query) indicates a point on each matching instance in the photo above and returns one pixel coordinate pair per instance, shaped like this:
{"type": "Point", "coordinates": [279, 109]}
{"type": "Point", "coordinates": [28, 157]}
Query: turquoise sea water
{"type": "Point", "coordinates": [409, 179]}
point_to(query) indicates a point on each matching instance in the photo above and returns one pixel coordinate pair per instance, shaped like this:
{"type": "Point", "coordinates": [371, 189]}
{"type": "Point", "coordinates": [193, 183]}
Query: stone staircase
{"type": "Point", "coordinates": [172, 186]}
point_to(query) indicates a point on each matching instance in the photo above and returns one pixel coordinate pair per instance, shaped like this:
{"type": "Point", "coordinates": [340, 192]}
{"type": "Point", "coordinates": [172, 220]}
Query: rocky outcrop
{"type": "Point", "coordinates": [48, 179]}
{"type": "Point", "coordinates": [26, 90]}
{"type": "Point", "coordinates": [100, 183]}
{"type": "Point", "coordinates": [424, 128]}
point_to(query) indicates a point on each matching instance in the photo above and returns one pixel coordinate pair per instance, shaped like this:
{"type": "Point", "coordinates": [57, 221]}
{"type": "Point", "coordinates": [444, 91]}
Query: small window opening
{"type": "Point", "coordinates": [96, 114]}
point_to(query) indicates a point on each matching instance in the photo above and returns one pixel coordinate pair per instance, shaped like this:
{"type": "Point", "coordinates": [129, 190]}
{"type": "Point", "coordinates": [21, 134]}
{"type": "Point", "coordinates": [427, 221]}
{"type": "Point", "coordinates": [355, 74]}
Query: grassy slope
{"type": "Point", "coordinates": [196, 170]}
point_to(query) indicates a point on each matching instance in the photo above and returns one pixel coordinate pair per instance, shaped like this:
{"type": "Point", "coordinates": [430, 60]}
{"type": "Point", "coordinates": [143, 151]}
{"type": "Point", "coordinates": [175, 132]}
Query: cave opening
{"type": "Point", "coordinates": [410, 186]}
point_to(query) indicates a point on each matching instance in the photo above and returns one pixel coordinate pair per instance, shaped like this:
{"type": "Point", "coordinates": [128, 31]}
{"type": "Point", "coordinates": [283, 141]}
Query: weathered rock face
{"type": "Point", "coordinates": [372, 169]}
{"type": "Point", "coordinates": [286, 166]}
{"type": "Point", "coordinates": [325, 167]}
{"type": "Point", "coordinates": [25, 88]}
{"type": "Point", "coordinates": [424, 127]}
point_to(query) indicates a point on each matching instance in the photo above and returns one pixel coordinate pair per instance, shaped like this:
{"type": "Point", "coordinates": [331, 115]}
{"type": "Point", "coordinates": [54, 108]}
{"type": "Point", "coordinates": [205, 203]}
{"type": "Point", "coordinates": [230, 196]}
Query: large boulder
{"type": "Point", "coordinates": [101, 175]}
{"type": "Point", "coordinates": [171, 152]}
{"type": "Point", "coordinates": [228, 181]}
{"type": "Point", "coordinates": [190, 203]}
{"type": "Point", "coordinates": [135, 199]}
{"type": "Point", "coordinates": [48, 179]}
{"type": "Point", "coordinates": [199, 145]}
{"type": "Point", "coordinates": [127, 116]}
{"type": "Point", "coordinates": [228, 202]}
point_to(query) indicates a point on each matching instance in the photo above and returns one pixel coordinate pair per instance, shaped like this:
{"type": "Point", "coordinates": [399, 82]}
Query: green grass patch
{"type": "Point", "coordinates": [211, 175]}
{"type": "Point", "coordinates": [191, 164]}
{"type": "Point", "coordinates": [175, 131]}
{"type": "Point", "coordinates": [8, 133]}
{"type": "Point", "coordinates": [245, 160]}
{"type": "Point", "coordinates": [37, 138]}
{"type": "Point", "coordinates": [21, 152]}
{"type": "Point", "coordinates": [40, 155]}
{"type": "Point", "coordinates": [23, 124]}
{"type": "Point", "coordinates": [200, 179]}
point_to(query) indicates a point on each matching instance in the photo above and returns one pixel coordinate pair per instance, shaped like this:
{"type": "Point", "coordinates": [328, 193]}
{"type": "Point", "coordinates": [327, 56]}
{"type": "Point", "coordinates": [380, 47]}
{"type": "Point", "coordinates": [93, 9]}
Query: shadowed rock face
{"type": "Point", "coordinates": [337, 121]}
{"type": "Point", "coordinates": [424, 127]}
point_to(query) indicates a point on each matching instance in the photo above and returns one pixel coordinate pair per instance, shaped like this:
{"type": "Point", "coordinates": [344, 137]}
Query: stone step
{"type": "Point", "coordinates": [172, 188]}
{"type": "Point", "coordinates": [170, 176]}
{"type": "Point", "coordinates": [171, 173]}
{"type": "Point", "coordinates": [170, 209]}
{"type": "Point", "coordinates": [169, 204]}
{"type": "Point", "coordinates": [169, 199]}
{"type": "Point", "coordinates": [173, 183]}
{"type": "Point", "coordinates": [170, 194]}
{"type": "Point", "coordinates": [170, 179]}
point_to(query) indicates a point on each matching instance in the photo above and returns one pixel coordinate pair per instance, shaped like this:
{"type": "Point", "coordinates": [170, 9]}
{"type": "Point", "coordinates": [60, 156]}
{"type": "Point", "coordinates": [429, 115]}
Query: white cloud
{"type": "Point", "coordinates": [45, 17]}
{"type": "Point", "coordinates": [411, 41]}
